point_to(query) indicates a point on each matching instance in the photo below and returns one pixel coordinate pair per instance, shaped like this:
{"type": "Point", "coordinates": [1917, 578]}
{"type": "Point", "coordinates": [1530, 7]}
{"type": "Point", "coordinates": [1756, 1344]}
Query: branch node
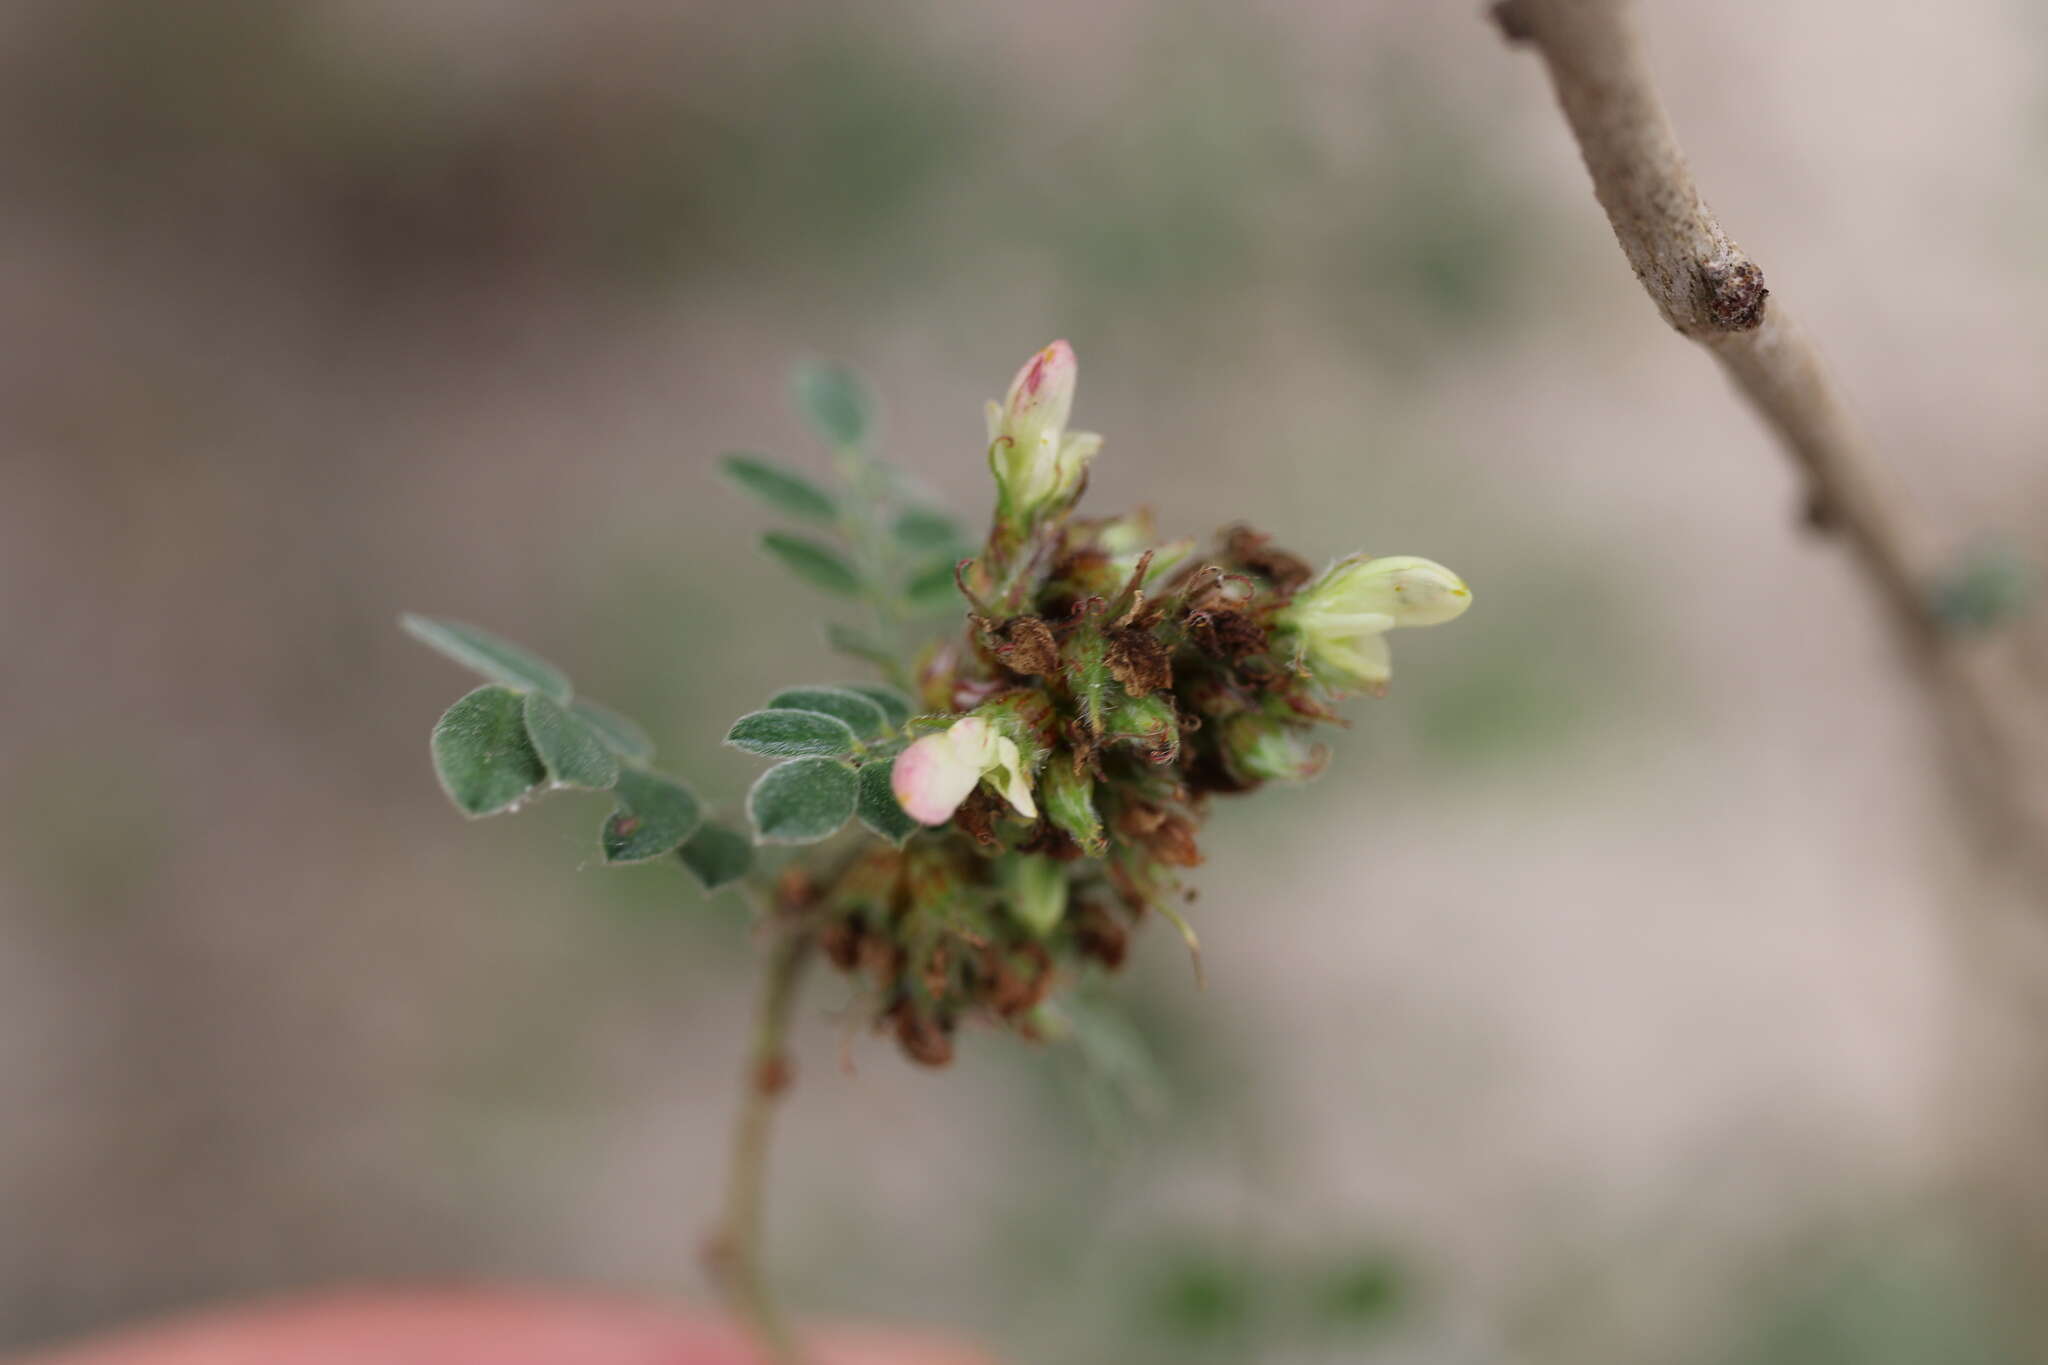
{"type": "Point", "coordinates": [1512, 22]}
{"type": "Point", "coordinates": [1735, 293]}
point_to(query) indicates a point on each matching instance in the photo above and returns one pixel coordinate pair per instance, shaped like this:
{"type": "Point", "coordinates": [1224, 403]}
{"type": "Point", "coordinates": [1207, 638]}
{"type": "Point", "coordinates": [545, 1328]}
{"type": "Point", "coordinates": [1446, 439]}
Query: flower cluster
{"type": "Point", "coordinates": [1040, 793]}
{"type": "Point", "coordinates": [1107, 688]}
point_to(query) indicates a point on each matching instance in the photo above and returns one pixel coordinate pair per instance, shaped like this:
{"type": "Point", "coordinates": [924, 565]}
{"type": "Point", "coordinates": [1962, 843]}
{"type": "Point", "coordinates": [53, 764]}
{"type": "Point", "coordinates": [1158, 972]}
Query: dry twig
{"type": "Point", "coordinates": [1988, 698]}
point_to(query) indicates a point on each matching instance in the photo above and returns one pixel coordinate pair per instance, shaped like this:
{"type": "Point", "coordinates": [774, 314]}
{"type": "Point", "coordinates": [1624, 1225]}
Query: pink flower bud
{"type": "Point", "coordinates": [935, 774]}
{"type": "Point", "coordinates": [1034, 457]}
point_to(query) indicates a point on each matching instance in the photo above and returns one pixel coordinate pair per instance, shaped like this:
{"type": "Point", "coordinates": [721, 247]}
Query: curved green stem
{"type": "Point", "coordinates": [734, 1253]}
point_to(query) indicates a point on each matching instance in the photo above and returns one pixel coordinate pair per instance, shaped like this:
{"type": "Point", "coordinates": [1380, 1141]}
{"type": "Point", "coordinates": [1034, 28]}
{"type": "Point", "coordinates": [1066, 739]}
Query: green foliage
{"type": "Point", "coordinates": [932, 588]}
{"type": "Point", "coordinates": [1204, 1297]}
{"type": "Point", "coordinates": [482, 755]}
{"type": "Point", "coordinates": [621, 735]}
{"type": "Point", "coordinates": [878, 807]}
{"type": "Point", "coordinates": [895, 706]}
{"type": "Point", "coordinates": [1988, 587]}
{"type": "Point", "coordinates": [791, 734]}
{"type": "Point", "coordinates": [654, 816]}
{"type": "Point", "coordinates": [858, 644]}
{"type": "Point", "coordinates": [818, 565]}
{"type": "Point", "coordinates": [924, 528]}
{"type": "Point", "coordinates": [835, 402]}
{"type": "Point", "coordinates": [493, 657]}
{"type": "Point", "coordinates": [717, 855]}
{"type": "Point", "coordinates": [801, 801]}
{"type": "Point", "coordinates": [1365, 1292]}
{"type": "Point", "coordinates": [780, 487]}
{"type": "Point", "coordinates": [862, 714]}
{"type": "Point", "coordinates": [572, 750]}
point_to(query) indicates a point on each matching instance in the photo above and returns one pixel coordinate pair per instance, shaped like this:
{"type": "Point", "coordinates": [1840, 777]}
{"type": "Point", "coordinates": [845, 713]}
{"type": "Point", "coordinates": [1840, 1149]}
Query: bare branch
{"type": "Point", "coordinates": [1983, 698]}
{"type": "Point", "coordinates": [1708, 289]}
{"type": "Point", "coordinates": [1988, 698]}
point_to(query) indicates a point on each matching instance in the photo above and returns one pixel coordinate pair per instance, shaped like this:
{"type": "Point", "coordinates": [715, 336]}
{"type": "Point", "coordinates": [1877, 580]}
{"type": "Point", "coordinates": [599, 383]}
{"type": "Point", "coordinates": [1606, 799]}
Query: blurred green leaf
{"type": "Point", "coordinates": [1991, 585]}
{"type": "Point", "coordinates": [655, 814]}
{"type": "Point", "coordinates": [494, 657]}
{"type": "Point", "coordinates": [571, 750]}
{"type": "Point", "coordinates": [933, 587]}
{"type": "Point", "coordinates": [877, 804]}
{"type": "Point", "coordinates": [481, 752]}
{"type": "Point", "coordinates": [1365, 1293]}
{"type": "Point", "coordinates": [862, 714]}
{"type": "Point", "coordinates": [922, 528]}
{"type": "Point", "coordinates": [1202, 1296]}
{"type": "Point", "coordinates": [894, 704]}
{"type": "Point", "coordinates": [859, 645]}
{"type": "Point", "coordinates": [779, 487]}
{"type": "Point", "coordinates": [621, 734]}
{"type": "Point", "coordinates": [790, 734]}
{"type": "Point", "coordinates": [818, 565]}
{"type": "Point", "coordinates": [717, 855]}
{"type": "Point", "coordinates": [835, 401]}
{"type": "Point", "coordinates": [801, 801]}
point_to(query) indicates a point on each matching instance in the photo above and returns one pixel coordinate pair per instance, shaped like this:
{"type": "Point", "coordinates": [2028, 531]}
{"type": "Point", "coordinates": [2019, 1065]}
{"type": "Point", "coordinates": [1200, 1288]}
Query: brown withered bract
{"type": "Point", "coordinates": [840, 940]}
{"type": "Point", "coordinates": [1252, 551]}
{"type": "Point", "coordinates": [978, 814]}
{"type": "Point", "coordinates": [1011, 991]}
{"type": "Point", "coordinates": [1098, 936]}
{"type": "Point", "coordinates": [1025, 644]}
{"type": "Point", "coordinates": [922, 1039]}
{"type": "Point", "coordinates": [1138, 660]}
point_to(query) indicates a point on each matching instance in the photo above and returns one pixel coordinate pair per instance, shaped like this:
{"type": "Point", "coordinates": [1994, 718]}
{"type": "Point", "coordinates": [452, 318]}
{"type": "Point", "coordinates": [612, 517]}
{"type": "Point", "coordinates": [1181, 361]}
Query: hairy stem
{"type": "Point", "coordinates": [734, 1253]}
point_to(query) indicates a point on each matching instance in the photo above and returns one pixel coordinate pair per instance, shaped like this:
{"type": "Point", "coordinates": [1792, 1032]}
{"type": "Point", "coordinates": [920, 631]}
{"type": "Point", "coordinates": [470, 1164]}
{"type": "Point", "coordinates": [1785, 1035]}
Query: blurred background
{"type": "Point", "coordinates": [1599, 1006]}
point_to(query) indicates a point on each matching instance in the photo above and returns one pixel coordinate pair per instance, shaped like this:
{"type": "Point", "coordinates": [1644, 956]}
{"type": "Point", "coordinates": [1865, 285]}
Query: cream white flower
{"type": "Point", "coordinates": [935, 774]}
{"type": "Point", "coordinates": [1035, 459]}
{"type": "Point", "coordinates": [1340, 621]}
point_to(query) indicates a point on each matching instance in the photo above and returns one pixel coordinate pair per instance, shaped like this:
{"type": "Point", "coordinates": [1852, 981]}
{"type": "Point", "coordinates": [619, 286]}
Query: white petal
{"type": "Point", "coordinates": [930, 781]}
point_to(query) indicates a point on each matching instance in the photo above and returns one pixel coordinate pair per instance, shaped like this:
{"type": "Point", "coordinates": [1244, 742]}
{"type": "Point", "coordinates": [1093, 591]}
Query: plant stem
{"type": "Point", "coordinates": [734, 1253]}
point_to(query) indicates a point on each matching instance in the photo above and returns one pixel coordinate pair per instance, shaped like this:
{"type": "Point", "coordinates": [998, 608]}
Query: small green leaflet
{"type": "Point", "coordinates": [717, 855]}
{"type": "Point", "coordinates": [835, 402]}
{"type": "Point", "coordinates": [621, 735]}
{"type": "Point", "coordinates": [779, 487]}
{"type": "Point", "coordinates": [934, 587]}
{"type": "Point", "coordinates": [482, 755]}
{"type": "Point", "coordinates": [879, 809]}
{"type": "Point", "coordinates": [816, 564]}
{"type": "Point", "coordinates": [858, 645]}
{"type": "Point", "coordinates": [789, 734]}
{"type": "Point", "coordinates": [922, 528]}
{"type": "Point", "coordinates": [801, 801]}
{"type": "Point", "coordinates": [494, 657]}
{"type": "Point", "coordinates": [863, 714]}
{"type": "Point", "coordinates": [569, 747]}
{"type": "Point", "coordinates": [894, 704]}
{"type": "Point", "coordinates": [655, 814]}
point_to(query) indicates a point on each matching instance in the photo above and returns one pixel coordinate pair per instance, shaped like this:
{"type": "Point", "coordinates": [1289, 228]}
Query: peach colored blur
{"type": "Point", "coordinates": [478, 1327]}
